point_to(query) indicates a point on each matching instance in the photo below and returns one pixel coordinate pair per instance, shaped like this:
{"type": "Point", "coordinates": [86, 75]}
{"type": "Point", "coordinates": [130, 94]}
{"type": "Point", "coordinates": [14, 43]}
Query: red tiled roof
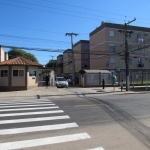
{"type": "Point", "coordinates": [20, 61]}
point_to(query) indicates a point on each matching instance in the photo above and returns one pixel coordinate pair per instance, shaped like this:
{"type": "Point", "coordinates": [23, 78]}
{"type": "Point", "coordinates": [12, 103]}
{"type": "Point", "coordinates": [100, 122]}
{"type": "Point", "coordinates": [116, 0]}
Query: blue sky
{"type": "Point", "coordinates": [43, 23]}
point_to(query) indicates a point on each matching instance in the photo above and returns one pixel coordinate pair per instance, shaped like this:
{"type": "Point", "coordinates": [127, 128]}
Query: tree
{"type": "Point", "coordinates": [14, 52]}
{"type": "Point", "coordinates": [52, 64]}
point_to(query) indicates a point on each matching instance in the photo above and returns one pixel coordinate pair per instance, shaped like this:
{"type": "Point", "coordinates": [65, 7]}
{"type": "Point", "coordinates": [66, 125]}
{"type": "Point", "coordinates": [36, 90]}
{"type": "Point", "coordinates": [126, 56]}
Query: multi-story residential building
{"type": "Point", "coordinates": [81, 56]}
{"type": "Point", "coordinates": [107, 49]}
{"type": "Point", "coordinates": [67, 62]}
{"type": "Point", "coordinates": [60, 65]}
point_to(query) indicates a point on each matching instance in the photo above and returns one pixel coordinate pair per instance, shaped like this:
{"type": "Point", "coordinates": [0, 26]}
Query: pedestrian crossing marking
{"type": "Point", "coordinates": [37, 128]}
{"type": "Point", "coordinates": [34, 102]}
{"type": "Point", "coordinates": [98, 148]}
{"type": "Point", "coordinates": [31, 113]}
{"type": "Point", "coordinates": [28, 105]}
{"type": "Point", "coordinates": [33, 119]}
{"type": "Point", "coordinates": [37, 108]}
{"type": "Point", "coordinates": [43, 141]}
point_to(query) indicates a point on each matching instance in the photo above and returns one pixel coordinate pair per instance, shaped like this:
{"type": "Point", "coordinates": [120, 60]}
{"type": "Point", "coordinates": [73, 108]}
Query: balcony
{"type": "Point", "coordinates": [141, 65]}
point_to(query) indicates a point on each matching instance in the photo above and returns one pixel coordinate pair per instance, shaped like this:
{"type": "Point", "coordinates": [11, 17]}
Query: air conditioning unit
{"type": "Point", "coordinates": [118, 69]}
{"type": "Point", "coordinates": [108, 64]}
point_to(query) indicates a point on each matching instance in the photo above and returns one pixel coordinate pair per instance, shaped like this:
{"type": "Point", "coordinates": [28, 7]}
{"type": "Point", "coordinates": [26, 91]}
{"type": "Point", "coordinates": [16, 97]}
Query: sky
{"type": "Point", "coordinates": [42, 24]}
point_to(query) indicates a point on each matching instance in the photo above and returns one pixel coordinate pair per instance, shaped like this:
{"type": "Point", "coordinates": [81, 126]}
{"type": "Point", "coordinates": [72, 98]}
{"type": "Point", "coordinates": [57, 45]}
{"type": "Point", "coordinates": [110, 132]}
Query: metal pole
{"type": "Point", "coordinates": [127, 59]}
{"type": "Point", "coordinates": [73, 61]}
{"type": "Point", "coordinates": [146, 80]}
{"type": "Point", "coordinates": [127, 55]}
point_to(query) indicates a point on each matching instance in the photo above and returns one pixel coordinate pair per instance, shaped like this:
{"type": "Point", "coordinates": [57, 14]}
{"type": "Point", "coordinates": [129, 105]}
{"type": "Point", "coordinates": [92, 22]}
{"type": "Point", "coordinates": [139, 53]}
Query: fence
{"type": "Point", "coordinates": [95, 79]}
{"type": "Point", "coordinates": [135, 78]}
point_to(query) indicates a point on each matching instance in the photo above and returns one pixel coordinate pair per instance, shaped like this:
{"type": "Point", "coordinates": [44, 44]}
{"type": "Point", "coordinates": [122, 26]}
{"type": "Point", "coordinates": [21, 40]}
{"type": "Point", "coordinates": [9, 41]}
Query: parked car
{"type": "Point", "coordinates": [61, 82]}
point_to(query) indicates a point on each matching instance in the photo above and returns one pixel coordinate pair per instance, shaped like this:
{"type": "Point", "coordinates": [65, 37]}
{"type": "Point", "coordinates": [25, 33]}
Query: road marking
{"type": "Point", "coordinates": [21, 106]}
{"type": "Point", "coordinates": [37, 128]}
{"type": "Point", "coordinates": [98, 148]}
{"type": "Point", "coordinates": [37, 108]}
{"type": "Point", "coordinates": [3, 104]}
{"type": "Point", "coordinates": [43, 141]}
{"type": "Point", "coordinates": [89, 105]}
{"type": "Point", "coordinates": [34, 119]}
{"type": "Point", "coordinates": [31, 113]}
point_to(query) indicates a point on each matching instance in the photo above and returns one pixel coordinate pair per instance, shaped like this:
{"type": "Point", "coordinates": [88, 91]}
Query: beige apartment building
{"type": "Point", "coordinates": [67, 62]}
{"type": "Point", "coordinates": [81, 56]}
{"type": "Point", "coordinates": [60, 65]}
{"type": "Point", "coordinates": [107, 50]}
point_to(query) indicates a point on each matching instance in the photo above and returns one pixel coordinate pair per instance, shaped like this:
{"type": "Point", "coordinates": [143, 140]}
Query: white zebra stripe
{"type": "Point", "coordinates": [31, 113]}
{"type": "Point", "coordinates": [37, 128]}
{"type": "Point", "coordinates": [21, 106]}
{"type": "Point", "coordinates": [98, 148]}
{"type": "Point", "coordinates": [36, 102]}
{"type": "Point", "coordinates": [37, 108]}
{"type": "Point", "coordinates": [43, 141]}
{"type": "Point", "coordinates": [33, 119]}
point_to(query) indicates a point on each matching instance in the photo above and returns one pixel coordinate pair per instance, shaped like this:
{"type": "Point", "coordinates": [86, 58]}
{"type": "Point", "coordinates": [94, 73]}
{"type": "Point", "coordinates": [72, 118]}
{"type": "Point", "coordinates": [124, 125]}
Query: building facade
{"type": "Point", "coordinates": [67, 62]}
{"type": "Point", "coordinates": [60, 65]}
{"type": "Point", "coordinates": [81, 56]}
{"type": "Point", "coordinates": [107, 49]}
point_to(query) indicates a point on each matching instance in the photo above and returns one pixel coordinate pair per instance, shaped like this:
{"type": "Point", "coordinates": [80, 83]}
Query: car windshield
{"type": "Point", "coordinates": [61, 79]}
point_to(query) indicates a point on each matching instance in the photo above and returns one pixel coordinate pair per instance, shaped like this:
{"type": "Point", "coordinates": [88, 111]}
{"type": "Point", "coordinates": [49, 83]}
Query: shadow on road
{"type": "Point", "coordinates": [135, 127]}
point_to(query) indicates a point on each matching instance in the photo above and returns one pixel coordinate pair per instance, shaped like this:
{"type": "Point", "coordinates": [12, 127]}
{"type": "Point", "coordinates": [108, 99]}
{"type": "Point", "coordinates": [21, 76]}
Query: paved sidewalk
{"type": "Point", "coordinates": [43, 92]}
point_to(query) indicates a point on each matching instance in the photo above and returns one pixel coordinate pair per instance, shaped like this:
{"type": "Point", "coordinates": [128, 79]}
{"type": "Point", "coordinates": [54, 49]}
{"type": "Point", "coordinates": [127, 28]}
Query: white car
{"type": "Point", "coordinates": [61, 82]}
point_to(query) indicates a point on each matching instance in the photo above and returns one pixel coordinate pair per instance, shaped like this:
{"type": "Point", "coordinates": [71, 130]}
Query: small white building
{"type": "Point", "coordinates": [91, 78]}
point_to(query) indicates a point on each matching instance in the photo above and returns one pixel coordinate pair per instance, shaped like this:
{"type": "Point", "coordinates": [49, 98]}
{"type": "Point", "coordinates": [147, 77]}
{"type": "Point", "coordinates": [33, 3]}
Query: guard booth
{"type": "Point", "coordinates": [93, 78]}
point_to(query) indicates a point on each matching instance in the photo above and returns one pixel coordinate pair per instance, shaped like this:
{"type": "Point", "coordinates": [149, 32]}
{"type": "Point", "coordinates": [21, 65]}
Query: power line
{"type": "Point", "coordinates": [92, 9]}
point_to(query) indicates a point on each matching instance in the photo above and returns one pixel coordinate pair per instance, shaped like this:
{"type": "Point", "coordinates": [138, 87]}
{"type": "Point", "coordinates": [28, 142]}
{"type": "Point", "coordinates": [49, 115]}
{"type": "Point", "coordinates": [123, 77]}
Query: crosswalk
{"type": "Point", "coordinates": [26, 118]}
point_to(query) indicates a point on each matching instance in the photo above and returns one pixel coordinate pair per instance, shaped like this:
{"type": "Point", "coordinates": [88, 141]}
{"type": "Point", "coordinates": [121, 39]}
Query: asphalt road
{"type": "Point", "coordinates": [116, 122]}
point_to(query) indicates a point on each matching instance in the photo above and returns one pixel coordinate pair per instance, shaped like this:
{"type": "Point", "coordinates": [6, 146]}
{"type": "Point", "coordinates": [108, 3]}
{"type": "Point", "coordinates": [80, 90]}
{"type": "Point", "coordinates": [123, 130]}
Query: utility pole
{"type": "Point", "coordinates": [73, 61]}
{"type": "Point", "coordinates": [127, 54]}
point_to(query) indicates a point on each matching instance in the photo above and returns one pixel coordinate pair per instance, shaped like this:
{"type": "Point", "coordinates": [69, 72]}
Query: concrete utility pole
{"type": "Point", "coordinates": [127, 54]}
{"type": "Point", "coordinates": [73, 62]}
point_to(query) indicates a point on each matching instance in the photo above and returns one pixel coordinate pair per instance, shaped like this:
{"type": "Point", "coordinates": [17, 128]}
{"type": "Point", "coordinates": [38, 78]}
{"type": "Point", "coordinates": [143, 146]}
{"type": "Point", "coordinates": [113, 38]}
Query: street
{"type": "Point", "coordinates": [113, 122]}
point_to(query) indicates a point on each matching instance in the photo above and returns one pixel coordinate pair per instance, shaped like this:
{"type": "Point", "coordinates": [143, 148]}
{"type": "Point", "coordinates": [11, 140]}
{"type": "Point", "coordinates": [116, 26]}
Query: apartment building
{"type": "Point", "coordinates": [107, 48]}
{"type": "Point", "coordinates": [60, 65]}
{"type": "Point", "coordinates": [81, 56]}
{"type": "Point", "coordinates": [67, 62]}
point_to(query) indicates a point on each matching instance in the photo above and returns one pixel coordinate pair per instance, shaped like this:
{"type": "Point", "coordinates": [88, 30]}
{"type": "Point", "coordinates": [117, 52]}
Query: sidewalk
{"type": "Point", "coordinates": [43, 92]}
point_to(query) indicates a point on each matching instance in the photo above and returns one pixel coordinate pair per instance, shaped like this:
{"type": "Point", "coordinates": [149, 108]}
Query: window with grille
{"type": "Point", "coordinates": [4, 73]}
{"type": "Point", "coordinates": [18, 73]}
{"type": "Point", "coordinates": [111, 33]}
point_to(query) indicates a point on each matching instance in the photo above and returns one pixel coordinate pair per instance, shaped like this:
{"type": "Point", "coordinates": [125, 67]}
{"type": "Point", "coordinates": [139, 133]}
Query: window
{"type": "Point", "coordinates": [129, 35]}
{"type": "Point", "coordinates": [18, 73]}
{"type": "Point", "coordinates": [139, 36]}
{"type": "Point", "coordinates": [85, 55]}
{"type": "Point", "coordinates": [111, 33]}
{"type": "Point", "coordinates": [129, 47]}
{"type": "Point", "coordinates": [112, 59]}
{"type": "Point", "coordinates": [32, 73]}
{"type": "Point", "coordinates": [86, 47]}
{"type": "Point", "coordinates": [84, 66]}
{"type": "Point", "coordinates": [4, 73]}
{"type": "Point", "coordinates": [139, 60]}
{"type": "Point", "coordinates": [139, 48]}
{"type": "Point", "coordinates": [112, 47]}
{"type": "Point", "coordinates": [130, 60]}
